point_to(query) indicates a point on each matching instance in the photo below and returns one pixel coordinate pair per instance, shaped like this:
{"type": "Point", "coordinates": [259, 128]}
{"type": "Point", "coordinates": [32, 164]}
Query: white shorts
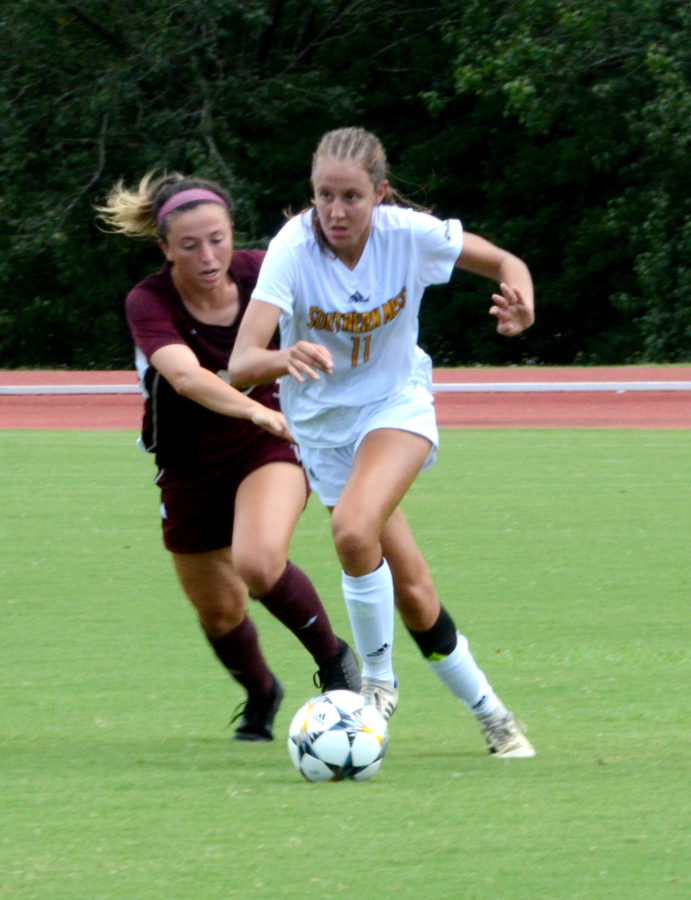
{"type": "Point", "coordinates": [411, 409]}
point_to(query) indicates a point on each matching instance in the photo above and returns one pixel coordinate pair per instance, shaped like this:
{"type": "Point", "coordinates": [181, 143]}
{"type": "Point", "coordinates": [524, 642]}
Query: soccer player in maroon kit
{"type": "Point", "coordinates": [232, 488]}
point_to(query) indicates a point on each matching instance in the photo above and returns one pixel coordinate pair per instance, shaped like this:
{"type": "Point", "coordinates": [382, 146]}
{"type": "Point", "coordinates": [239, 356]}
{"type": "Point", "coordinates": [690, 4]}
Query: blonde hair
{"type": "Point", "coordinates": [363, 147]}
{"type": "Point", "coordinates": [133, 211]}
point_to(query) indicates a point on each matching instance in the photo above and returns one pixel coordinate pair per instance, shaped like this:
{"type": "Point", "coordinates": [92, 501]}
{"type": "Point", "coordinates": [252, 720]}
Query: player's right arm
{"type": "Point", "coordinates": [252, 362]}
{"type": "Point", "coordinates": [179, 365]}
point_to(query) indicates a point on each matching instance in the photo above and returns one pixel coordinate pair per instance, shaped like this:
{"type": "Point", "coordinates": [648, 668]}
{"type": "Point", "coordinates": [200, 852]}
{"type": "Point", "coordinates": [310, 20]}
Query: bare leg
{"type": "Point", "coordinates": [385, 465]}
{"type": "Point", "coordinates": [267, 507]}
{"type": "Point", "coordinates": [220, 599]}
{"type": "Point", "coordinates": [416, 598]}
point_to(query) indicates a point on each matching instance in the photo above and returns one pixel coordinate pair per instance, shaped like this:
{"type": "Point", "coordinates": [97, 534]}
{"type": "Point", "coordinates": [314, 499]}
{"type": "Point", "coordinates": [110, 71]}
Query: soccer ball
{"type": "Point", "coordinates": [337, 735]}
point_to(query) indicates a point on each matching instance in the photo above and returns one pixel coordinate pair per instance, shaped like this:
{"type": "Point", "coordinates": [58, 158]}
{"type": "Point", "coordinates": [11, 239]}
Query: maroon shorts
{"type": "Point", "coordinates": [197, 509]}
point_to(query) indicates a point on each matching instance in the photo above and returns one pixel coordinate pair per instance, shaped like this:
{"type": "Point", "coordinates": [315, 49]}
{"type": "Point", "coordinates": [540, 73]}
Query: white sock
{"type": "Point", "coordinates": [461, 675]}
{"type": "Point", "coordinates": [370, 605]}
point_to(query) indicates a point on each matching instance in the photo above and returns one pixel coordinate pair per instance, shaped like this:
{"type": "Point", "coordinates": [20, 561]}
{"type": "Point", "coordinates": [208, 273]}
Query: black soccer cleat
{"type": "Point", "coordinates": [258, 714]}
{"type": "Point", "coordinates": [342, 673]}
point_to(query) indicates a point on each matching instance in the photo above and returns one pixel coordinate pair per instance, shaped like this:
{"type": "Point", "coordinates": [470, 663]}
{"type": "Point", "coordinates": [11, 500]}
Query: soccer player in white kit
{"type": "Point", "coordinates": [344, 282]}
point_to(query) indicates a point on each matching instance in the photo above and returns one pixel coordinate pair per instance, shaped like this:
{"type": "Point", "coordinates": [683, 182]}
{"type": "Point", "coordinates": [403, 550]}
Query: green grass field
{"type": "Point", "coordinates": [563, 555]}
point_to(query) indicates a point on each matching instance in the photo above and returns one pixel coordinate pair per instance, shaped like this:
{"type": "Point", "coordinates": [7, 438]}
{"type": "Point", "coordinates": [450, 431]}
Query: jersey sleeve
{"type": "Point", "coordinates": [277, 281]}
{"type": "Point", "coordinates": [439, 244]}
{"type": "Point", "coordinates": [150, 321]}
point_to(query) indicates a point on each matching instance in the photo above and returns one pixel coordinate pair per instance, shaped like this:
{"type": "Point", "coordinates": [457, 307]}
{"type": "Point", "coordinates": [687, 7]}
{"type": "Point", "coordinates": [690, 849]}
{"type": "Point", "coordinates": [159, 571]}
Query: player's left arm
{"type": "Point", "coordinates": [514, 306]}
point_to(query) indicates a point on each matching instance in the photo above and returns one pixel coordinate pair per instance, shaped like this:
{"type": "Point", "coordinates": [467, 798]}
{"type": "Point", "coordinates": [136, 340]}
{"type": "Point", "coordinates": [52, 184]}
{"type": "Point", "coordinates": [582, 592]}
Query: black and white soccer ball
{"type": "Point", "coordinates": [337, 735]}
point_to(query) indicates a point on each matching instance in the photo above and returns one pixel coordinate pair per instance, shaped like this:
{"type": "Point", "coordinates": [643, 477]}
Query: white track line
{"type": "Point", "coordinates": [492, 387]}
{"type": "Point", "coordinates": [525, 387]}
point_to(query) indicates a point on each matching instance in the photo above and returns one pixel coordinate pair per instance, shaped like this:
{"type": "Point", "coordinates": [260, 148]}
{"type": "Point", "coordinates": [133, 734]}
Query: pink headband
{"type": "Point", "coordinates": [193, 195]}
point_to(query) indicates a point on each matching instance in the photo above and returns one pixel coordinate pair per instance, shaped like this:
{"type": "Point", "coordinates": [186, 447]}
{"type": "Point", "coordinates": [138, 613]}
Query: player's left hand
{"type": "Point", "coordinates": [513, 313]}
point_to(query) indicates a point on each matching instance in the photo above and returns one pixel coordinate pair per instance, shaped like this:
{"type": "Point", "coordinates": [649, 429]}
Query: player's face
{"type": "Point", "coordinates": [199, 245]}
{"type": "Point", "coordinates": [345, 197]}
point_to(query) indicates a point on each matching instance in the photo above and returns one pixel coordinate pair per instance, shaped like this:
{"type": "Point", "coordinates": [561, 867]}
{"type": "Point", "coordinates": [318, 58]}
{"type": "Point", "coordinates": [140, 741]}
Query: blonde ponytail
{"type": "Point", "coordinates": [130, 211]}
{"type": "Point", "coordinates": [134, 211]}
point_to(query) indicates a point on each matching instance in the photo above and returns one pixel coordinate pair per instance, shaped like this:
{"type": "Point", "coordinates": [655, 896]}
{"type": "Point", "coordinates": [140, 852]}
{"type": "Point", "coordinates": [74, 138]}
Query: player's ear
{"type": "Point", "coordinates": [382, 190]}
{"type": "Point", "coordinates": [165, 250]}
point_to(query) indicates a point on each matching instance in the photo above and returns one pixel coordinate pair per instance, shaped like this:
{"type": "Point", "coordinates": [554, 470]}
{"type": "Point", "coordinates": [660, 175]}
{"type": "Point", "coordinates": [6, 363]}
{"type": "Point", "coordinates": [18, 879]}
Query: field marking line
{"type": "Point", "coordinates": [492, 387]}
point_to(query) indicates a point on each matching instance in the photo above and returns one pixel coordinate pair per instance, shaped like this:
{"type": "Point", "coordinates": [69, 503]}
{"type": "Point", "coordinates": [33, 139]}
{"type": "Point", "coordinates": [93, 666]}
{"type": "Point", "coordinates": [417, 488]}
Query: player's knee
{"type": "Point", "coordinates": [219, 619]}
{"type": "Point", "coordinates": [352, 540]}
{"type": "Point", "coordinates": [260, 570]}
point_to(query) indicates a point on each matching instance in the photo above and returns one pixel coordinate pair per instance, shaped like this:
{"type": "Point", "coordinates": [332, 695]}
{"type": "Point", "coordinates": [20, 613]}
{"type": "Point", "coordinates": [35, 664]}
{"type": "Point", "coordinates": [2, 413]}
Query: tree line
{"type": "Point", "coordinates": [560, 129]}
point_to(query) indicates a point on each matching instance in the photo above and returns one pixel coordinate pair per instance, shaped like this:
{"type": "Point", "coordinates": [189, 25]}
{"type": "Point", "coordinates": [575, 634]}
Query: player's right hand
{"type": "Point", "coordinates": [308, 359]}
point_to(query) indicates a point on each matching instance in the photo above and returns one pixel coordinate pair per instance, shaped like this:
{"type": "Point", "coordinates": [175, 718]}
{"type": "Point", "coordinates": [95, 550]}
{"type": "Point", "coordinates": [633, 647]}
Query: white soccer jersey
{"type": "Point", "coordinates": [367, 317]}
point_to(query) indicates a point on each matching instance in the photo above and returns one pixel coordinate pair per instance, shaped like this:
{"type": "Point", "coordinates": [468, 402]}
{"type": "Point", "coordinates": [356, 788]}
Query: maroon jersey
{"type": "Point", "coordinates": [183, 434]}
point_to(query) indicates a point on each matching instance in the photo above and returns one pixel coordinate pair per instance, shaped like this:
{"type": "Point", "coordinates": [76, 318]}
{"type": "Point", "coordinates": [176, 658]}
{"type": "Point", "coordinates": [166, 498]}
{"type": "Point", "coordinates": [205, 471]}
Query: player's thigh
{"type": "Point", "coordinates": [386, 464]}
{"type": "Point", "coordinates": [268, 504]}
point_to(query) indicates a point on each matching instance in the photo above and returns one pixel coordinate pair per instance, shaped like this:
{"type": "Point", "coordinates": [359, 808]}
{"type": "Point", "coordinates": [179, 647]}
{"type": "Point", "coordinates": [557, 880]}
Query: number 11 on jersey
{"type": "Point", "coordinates": [356, 357]}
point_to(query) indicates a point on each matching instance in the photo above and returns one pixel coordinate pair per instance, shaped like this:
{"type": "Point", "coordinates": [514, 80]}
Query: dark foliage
{"type": "Point", "coordinates": [560, 130]}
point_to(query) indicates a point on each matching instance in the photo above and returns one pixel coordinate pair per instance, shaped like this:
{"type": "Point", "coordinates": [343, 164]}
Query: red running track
{"type": "Point", "coordinates": [649, 409]}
